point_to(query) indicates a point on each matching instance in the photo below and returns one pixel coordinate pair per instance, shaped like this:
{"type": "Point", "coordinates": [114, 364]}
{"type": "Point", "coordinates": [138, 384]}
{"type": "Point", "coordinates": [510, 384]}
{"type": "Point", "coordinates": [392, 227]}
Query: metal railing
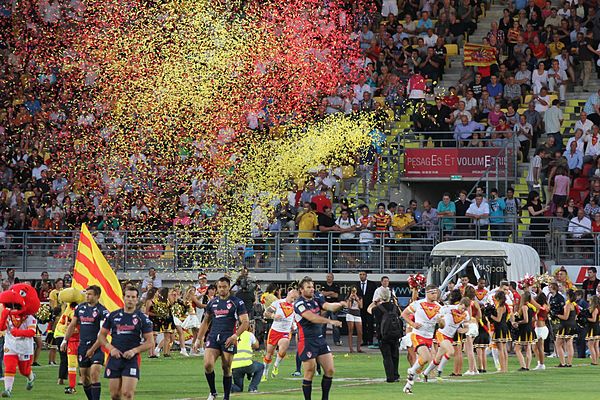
{"type": "Point", "coordinates": [284, 251]}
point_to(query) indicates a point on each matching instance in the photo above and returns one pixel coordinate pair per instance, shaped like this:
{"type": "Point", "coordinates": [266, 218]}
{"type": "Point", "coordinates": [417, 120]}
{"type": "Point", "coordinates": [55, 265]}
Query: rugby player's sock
{"type": "Point", "coordinates": [430, 367]}
{"type": "Point", "coordinates": [72, 377]}
{"type": "Point", "coordinates": [227, 387]}
{"type": "Point", "coordinates": [413, 370]}
{"type": "Point", "coordinates": [298, 363]}
{"type": "Point", "coordinates": [326, 386]}
{"type": "Point", "coordinates": [96, 390]}
{"type": "Point", "coordinates": [88, 391]}
{"type": "Point", "coordinates": [8, 382]}
{"type": "Point", "coordinates": [279, 359]}
{"type": "Point", "coordinates": [266, 363]}
{"type": "Point", "coordinates": [307, 389]}
{"type": "Point", "coordinates": [443, 362]}
{"type": "Point", "coordinates": [210, 378]}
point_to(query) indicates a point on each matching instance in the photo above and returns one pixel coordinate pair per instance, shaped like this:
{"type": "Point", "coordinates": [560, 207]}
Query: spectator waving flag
{"type": "Point", "coordinates": [479, 55]}
{"type": "Point", "coordinates": [91, 268]}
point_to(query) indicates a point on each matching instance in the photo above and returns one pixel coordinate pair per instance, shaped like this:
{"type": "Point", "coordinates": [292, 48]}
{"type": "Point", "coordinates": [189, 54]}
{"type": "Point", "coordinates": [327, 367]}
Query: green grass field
{"type": "Point", "coordinates": [358, 377]}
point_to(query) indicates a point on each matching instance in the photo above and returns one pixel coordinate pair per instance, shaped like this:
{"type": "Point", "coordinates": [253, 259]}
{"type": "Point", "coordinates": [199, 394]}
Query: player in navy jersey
{"type": "Point", "coordinates": [312, 346]}
{"type": "Point", "coordinates": [89, 317]}
{"type": "Point", "coordinates": [223, 311]}
{"type": "Point", "coordinates": [131, 332]}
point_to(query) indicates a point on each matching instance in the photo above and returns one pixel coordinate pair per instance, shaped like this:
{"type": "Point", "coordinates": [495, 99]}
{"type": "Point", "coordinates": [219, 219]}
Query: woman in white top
{"type": "Point", "coordinates": [539, 78]}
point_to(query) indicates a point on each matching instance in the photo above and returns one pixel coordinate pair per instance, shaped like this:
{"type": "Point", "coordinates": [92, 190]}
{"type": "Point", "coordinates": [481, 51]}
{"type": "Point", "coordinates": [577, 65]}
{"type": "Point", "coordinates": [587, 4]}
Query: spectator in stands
{"type": "Point", "coordinates": [466, 79]}
{"type": "Point", "coordinates": [592, 207]}
{"type": "Point", "coordinates": [534, 118]}
{"type": "Point", "coordinates": [447, 210]}
{"type": "Point", "coordinates": [553, 119]}
{"type": "Point", "coordinates": [152, 279]}
{"type": "Point", "coordinates": [477, 86]}
{"type": "Point", "coordinates": [561, 187]}
{"type": "Point", "coordinates": [463, 130]}
{"type": "Point", "coordinates": [497, 207]}
{"type": "Point", "coordinates": [495, 89]}
{"type": "Point", "coordinates": [592, 107]}
{"type": "Point", "coordinates": [592, 138]}
{"type": "Point", "coordinates": [470, 103]}
{"type": "Point", "coordinates": [486, 104]}
{"type": "Point", "coordinates": [429, 219]}
{"type": "Point", "coordinates": [574, 159]}
{"type": "Point", "coordinates": [307, 223]}
{"type": "Point", "coordinates": [414, 210]}
{"type": "Point", "coordinates": [365, 236]}
{"type": "Point", "coordinates": [534, 174]}
{"type": "Point", "coordinates": [580, 229]}
{"type": "Point", "coordinates": [524, 132]}
{"type": "Point", "coordinates": [557, 81]}
{"type": "Point", "coordinates": [512, 93]}
{"type": "Point", "coordinates": [479, 212]}
{"type": "Point", "coordinates": [512, 209]}
{"type": "Point", "coordinates": [584, 123]}
{"type": "Point", "coordinates": [577, 138]}
{"type": "Point", "coordinates": [539, 78]}
{"type": "Point", "coordinates": [461, 206]}
{"type": "Point", "coordinates": [430, 66]}
{"type": "Point", "coordinates": [585, 55]}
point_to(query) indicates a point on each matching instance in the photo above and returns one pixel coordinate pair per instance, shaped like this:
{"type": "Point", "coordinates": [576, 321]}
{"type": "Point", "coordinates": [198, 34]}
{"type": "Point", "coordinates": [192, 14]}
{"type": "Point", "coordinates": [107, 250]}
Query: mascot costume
{"type": "Point", "coordinates": [71, 297]}
{"type": "Point", "coordinates": [20, 304]}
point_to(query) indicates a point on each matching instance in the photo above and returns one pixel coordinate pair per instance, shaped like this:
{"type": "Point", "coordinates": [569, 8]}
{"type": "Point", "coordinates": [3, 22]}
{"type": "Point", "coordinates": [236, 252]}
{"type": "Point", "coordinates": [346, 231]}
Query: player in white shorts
{"type": "Point", "coordinates": [282, 313]}
{"type": "Point", "coordinates": [426, 313]}
{"type": "Point", "coordinates": [453, 318]}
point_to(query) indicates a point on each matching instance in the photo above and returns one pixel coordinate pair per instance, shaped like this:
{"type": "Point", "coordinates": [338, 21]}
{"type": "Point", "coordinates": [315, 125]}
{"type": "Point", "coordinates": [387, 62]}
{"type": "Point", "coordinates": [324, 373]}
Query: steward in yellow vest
{"type": "Point", "coordinates": [243, 365]}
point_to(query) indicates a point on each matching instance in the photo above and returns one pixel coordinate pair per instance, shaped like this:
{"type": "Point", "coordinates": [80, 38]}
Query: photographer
{"type": "Point", "coordinates": [244, 288]}
{"type": "Point", "coordinates": [389, 331]}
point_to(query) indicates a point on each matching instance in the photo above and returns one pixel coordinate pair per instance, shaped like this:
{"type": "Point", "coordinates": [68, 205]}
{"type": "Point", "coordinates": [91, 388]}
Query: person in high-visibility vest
{"type": "Point", "coordinates": [243, 365]}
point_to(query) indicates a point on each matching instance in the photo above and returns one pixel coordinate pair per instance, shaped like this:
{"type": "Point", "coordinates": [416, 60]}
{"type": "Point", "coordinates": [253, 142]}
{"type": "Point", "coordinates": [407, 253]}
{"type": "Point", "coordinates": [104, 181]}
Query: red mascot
{"type": "Point", "coordinates": [20, 303]}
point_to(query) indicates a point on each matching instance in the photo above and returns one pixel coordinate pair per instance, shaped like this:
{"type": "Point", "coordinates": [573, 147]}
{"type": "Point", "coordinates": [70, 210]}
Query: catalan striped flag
{"type": "Point", "coordinates": [479, 55]}
{"type": "Point", "coordinates": [91, 268]}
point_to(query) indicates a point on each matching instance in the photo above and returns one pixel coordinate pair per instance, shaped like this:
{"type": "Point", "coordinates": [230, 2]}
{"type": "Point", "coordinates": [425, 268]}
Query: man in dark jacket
{"type": "Point", "coordinates": [366, 290]}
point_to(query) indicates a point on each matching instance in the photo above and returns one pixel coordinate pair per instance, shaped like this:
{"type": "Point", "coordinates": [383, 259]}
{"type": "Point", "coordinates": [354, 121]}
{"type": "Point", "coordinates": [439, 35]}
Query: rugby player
{"type": "Point", "coordinates": [87, 319]}
{"type": "Point", "coordinates": [312, 346]}
{"type": "Point", "coordinates": [131, 332]}
{"type": "Point", "coordinates": [221, 314]}
{"type": "Point", "coordinates": [426, 316]}
{"type": "Point", "coordinates": [282, 313]}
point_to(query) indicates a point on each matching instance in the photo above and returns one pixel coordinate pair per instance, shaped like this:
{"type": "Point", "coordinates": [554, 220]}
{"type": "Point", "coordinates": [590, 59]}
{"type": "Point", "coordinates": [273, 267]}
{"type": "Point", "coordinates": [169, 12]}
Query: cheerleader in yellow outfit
{"type": "Point", "coordinates": [593, 330]}
{"type": "Point", "coordinates": [567, 331]}
{"type": "Point", "coordinates": [191, 321]}
{"type": "Point", "coordinates": [523, 320]}
{"type": "Point", "coordinates": [501, 333]}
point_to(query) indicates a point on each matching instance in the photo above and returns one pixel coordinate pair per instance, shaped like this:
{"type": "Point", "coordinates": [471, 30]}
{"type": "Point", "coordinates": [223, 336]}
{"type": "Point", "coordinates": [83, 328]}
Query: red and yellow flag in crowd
{"type": "Point", "coordinates": [91, 268]}
{"type": "Point", "coordinates": [479, 55]}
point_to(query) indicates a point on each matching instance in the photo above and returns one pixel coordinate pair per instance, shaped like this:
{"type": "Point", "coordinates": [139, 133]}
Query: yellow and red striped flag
{"type": "Point", "coordinates": [479, 55]}
{"type": "Point", "coordinates": [91, 268]}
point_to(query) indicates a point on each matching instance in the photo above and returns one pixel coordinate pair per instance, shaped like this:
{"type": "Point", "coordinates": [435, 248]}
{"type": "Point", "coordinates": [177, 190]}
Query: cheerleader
{"type": "Point", "coordinates": [482, 341]}
{"type": "Point", "coordinates": [178, 312]}
{"type": "Point", "coordinates": [593, 330]}
{"type": "Point", "coordinates": [522, 319]}
{"type": "Point", "coordinates": [473, 329]}
{"type": "Point", "coordinates": [168, 322]}
{"type": "Point", "coordinates": [191, 321]}
{"type": "Point", "coordinates": [541, 330]}
{"type": "Point", "coordinates": [567, 331]}
{"type": "Point", "coordinates": [501, 332]}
